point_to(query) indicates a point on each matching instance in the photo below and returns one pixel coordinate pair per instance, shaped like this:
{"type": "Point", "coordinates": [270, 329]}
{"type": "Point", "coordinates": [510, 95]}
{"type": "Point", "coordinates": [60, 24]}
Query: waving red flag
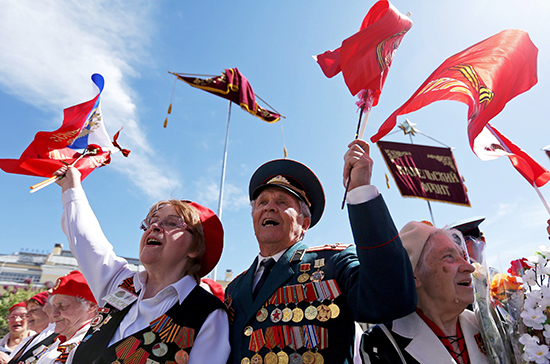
{"type": "Point", "coordinates": [485, 77]}
{"type": "Point", "coordinates": [491, 144]}
{"type": "Point", "coordinates": [82, 131]}
{"type": "Point", "coordinates": [232, 85]}
{"type": "Point", "coordinates": [365, 57]}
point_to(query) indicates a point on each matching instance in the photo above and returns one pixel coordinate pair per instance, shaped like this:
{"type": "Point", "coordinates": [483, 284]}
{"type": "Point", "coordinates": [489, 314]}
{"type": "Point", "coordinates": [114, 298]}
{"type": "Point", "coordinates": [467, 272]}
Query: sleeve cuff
{"type": "Point", "coordinates": [362, 194]}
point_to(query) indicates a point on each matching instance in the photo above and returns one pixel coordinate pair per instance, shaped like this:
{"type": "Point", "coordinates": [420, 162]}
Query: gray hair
{"type": "Point", "coordinates": [422, 268]}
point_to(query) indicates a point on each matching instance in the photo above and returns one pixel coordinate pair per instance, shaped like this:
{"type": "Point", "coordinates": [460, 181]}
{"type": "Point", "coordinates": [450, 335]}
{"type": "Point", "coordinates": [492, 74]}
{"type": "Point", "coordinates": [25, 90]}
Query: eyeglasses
{"type": "Point", "coordinates": [167, 223]}
{"type": "Point", "coordinates": [14, 317]}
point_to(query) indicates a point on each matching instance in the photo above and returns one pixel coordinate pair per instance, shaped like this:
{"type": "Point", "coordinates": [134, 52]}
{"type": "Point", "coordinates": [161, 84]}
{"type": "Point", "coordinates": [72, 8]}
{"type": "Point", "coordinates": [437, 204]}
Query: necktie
{"type": "Point", "coordinates": [268, 265]}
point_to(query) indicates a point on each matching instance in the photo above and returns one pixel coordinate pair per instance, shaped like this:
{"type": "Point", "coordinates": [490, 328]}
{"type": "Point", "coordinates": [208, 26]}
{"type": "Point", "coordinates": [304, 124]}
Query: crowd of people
{"type": "Point", "coordinates": [294, 304]}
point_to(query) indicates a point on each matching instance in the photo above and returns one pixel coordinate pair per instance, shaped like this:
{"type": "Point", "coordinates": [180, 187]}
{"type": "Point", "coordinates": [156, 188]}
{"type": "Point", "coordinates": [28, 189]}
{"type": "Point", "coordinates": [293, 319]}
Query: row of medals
{"type": "Point", "coordinates": [281, 357]}
{"type": "Point", "coordinates": [322, 313]}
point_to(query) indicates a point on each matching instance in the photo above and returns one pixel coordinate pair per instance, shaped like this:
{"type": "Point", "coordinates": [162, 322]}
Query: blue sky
{"type": "Point", "coordinates": [49, 50]}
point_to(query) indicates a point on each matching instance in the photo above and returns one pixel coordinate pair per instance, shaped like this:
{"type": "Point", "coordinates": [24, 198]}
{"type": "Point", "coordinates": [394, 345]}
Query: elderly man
{"type": "Point", "coordinates": [441, 330]}
{"type": "Point", "coordinates": [38, 320]}
{"type": "Point", "coordinates": [298, 304]}
{"type": "Point", "coordinates": [73, 308]}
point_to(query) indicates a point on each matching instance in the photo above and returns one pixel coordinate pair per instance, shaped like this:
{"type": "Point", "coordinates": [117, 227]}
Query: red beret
{"type": "Point", "coordinates": [213, 237]}
{"type": "Point", "coordinates": [20, 304]}
{"type": "Point", "coordinates": [73, 284]}
{"type": "Point", "coordinates": [41, 297]}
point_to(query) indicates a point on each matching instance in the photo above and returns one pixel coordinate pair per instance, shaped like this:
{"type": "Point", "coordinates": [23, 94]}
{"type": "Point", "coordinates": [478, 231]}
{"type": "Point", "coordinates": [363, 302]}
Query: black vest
{"type": "Point", "coordinates": [191, 313]}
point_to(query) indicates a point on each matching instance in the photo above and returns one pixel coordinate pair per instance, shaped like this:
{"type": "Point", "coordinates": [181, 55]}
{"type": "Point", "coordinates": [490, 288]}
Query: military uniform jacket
{"type": "Point", "coordinates": [375, 281]}
{"type": "Point", "coordinates": [159, 345]}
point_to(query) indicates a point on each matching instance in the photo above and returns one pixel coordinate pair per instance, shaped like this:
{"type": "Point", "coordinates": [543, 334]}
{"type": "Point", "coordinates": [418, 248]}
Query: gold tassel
{"type": "Point", "coordinates": [387, 181]}
{"type": "Point", "coordinates": [170, 109]}
{"type": "Point", "coordinates": [286, 154]}
{"type": "Point", "coordinates": [166, 122]}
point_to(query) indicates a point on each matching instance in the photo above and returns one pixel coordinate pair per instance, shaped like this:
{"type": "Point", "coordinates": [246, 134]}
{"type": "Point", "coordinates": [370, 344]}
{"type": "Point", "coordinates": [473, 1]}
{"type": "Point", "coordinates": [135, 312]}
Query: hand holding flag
{"type": "Point", "coordinates": [81, 141]}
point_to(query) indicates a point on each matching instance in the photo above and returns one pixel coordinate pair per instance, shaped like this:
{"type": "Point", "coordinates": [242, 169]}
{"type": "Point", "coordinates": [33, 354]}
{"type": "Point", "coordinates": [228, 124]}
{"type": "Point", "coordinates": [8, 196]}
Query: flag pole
{"type": "Point", "coordinates": [222, 180]}
{"type": "Point", "coordinates": [541, 197]}
{"type": "Point", "coordinates": [365, 104]}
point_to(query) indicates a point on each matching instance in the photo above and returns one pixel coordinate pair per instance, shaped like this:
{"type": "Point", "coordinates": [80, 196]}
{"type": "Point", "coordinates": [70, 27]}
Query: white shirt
{"type": "Point", "coordinates": [52, 353]}
{"type": "Point", "coordinates": [105, 271]}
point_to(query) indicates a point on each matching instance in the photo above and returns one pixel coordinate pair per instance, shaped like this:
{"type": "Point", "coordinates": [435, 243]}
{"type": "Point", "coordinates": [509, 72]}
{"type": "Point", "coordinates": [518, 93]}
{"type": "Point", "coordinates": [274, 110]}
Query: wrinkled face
{"type": "Point", "coordinates": [277, 220]}
{"type": "Point", "coordinates": [448, 276]}
{"type": "Point", "coordinates": [17, 320]}
{"type": "Point", "coordinates": [37, 319]}
{"type": "Point", "coordinates": [69, 315]}
{"type": "Point", "coordinates": [164, 246]}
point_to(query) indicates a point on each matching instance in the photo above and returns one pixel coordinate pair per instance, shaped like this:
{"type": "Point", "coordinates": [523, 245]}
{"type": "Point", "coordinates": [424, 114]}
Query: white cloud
{"type": "Point", "coordinates": [48, 51]}
{"type": "Point", "coordinates": [234, 198]}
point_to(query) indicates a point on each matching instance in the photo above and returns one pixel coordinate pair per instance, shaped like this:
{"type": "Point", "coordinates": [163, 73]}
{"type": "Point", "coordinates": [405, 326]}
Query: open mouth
{"type": "Point", "coordinates": [270, 222]}
{"type": "Point", "coordinates": [153, 241]}
{"type": "Point", "coordinates": [466, 283]}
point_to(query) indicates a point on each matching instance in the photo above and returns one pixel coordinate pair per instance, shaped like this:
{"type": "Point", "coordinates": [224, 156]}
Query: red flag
{"type": "Point", "coordinates": [365, 57]}
{"type": "Point", "coordinates": [485, 77]}
{"type": "Point", "coordinates": [82, 127]}
{"type": "Point", "coordinates": [232, 85]}
{"type": "Point", "coordinates": [491, 144]}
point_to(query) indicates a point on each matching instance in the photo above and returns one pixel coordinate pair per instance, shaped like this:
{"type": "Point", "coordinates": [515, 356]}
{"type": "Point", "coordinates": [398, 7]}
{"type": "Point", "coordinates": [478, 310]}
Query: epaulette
{"type": "Point", "coordinates": [237, 276]}
{"type": "Point", "coordinates": [336, 246]}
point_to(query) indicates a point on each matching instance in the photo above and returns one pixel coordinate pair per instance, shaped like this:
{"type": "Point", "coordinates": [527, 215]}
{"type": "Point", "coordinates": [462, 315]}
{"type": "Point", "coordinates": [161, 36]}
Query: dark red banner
{"type": "Point", "coordinates": [425, 172]}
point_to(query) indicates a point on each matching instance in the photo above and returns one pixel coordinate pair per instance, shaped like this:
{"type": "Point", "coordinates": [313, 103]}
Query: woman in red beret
{"type": "Point", "coordinates": [161, 314]}
{"type": "Point", "coordinates": [17, 323]}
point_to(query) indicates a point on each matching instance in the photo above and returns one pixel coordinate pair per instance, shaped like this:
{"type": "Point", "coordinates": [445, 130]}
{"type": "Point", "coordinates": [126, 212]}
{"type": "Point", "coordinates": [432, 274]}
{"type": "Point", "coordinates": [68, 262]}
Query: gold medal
{"type": "Point", "coordinates": [148, 337]}
{"type": "Point", "coordinates": [318, 358]}
{"type": "Point", "coordinates": [297, 314]}
{"type": "Point", "coordinates": [115, 362]}
{"type": "Point", "coordinates": [248, 331]}
{"type": "Point", "coordinates": [256, 359]}
{"type": "Point", "coordinates": [302, 278]}
{"type": "Point", "coordinates": [334, 310]}
{"type": "Point", "coordinates": [182, 357]}
{"type": "Point", "coordinates": [151, 361]}
{"type": "Point", "coordinates": [287, 314]}
{"type": "Point", "coordinates": [271, 358]}
{"type": "Point", "coordinates": [262, 315]}
{"type": "Point", "coordinates": [308, 357]}
{"type": "Point", "coordinates": [282, 357]}
{"type": "Point", "coordinates": [245, 361]}
{"type": "Point", "coordinates": [323, 313]}
{"type": "Point", "coordinates": [311, 312]}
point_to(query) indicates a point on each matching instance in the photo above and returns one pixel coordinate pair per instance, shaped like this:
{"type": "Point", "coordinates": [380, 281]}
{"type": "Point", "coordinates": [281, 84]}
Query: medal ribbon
{"type": "Point", "coordinates": [128, 284]}
{"type": "Point", "coordinates": [334, 289]}
{"type": "Point", "coordinates": [161, 321]}
{"type": "Point", "coordinates": [289, 339]}
{"type": "Point", "coordinates": [300, 293]}
{"type": "Point", "coordinates": [297, 335]}
{"type": "Point", "coordinates": [65, 350]}
{"type": "Point", "coordinates": [279, 338]}
{"type": "Point", "coordinates": [323, 290]}
{"type": "Point", "coordinates": [257, 341]}
{"type": "Point", "coordinates": [127, 347]}
{"type": "Point", "coordinates": [185, 337]}
{"type": "Point", "coordinates": [322, 334]}
{"type": "Point", "coordinates": [305, 267]}
{"type": "Point", "coordinates": [310, 336]}
{"type": "Point", "coordinates": [310, 293]}
{"type": "Point", "coordinates": [169, 332]}
{"type": "Point", "coordinates": [138, 357]}
{"type": "Point", "coordinates": [270, 338]}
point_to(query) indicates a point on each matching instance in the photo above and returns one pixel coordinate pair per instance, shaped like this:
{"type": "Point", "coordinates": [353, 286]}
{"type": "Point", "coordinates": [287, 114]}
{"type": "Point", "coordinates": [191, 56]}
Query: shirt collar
{"type": "Point", "coordinates": [182, 287]}
{"type": "Point", "coordinates": [275, 257]}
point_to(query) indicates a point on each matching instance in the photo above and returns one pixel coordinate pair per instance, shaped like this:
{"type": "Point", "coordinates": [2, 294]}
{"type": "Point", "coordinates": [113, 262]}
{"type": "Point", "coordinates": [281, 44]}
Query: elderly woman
{"type": "Point", "coordinates": [17, 324]}
{"type": "Point", "coordinates": [159, 315]}
{"type": "Point", "coordinates": [73, 307]}
{"type": "Point", "coordinates": [39, 312]}
{"type": "Point", "coordinates": [441, 330]}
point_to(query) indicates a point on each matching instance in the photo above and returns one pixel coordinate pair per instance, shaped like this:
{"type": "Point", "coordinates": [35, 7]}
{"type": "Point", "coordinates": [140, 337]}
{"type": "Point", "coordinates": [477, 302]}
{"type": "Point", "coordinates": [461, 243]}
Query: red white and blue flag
{"type": "Point", "coordinates": [82, 127]}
